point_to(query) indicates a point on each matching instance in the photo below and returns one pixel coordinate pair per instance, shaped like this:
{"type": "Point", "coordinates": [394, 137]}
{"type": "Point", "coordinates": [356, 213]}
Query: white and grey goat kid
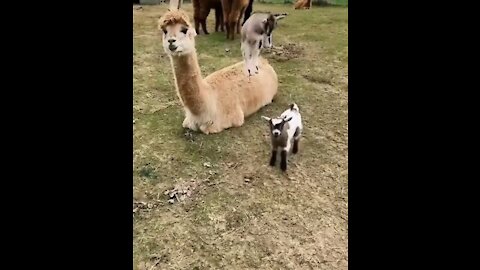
{"type": "Point", "coordinates": [285, 132]}
{"type": "Point", "coordinates": [257, 34]}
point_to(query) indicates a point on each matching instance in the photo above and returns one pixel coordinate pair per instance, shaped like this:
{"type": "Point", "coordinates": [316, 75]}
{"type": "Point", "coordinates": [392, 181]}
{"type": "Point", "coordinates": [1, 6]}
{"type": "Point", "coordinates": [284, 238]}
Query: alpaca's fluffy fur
{"type": "Point", "coordinates": [233, 11]}
{"type": "Point", "coordinates": [224, 98]}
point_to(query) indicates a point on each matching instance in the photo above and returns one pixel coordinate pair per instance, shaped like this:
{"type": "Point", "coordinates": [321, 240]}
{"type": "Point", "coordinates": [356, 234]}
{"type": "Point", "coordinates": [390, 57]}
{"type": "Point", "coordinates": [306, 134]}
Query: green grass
{"type": "Point", "coordinates": [296, 220]}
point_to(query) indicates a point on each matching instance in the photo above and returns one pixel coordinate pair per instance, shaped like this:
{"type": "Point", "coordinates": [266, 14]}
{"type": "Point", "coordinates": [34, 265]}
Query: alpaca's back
{"type": "Point", "coordinates": [233, 88]}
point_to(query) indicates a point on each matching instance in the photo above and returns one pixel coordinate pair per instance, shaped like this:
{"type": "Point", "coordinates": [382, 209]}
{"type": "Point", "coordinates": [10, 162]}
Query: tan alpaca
{"type": "Point", "coordinates": [224, 98]}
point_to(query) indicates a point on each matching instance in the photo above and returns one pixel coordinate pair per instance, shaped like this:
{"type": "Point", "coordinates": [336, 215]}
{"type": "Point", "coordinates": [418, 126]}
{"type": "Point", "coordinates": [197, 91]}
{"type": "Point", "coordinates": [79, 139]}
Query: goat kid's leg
{"type": "Point", "coordinates": [295, 145]}
{"type": "Point", "coordinates": [273, 159]}
{"type": "Point", "coordinates": [256, 60]}
{"type": "Point", "coordinates": [249, 61]}
{"type": "Point", "coordinates": [283, 161]}
{"type": "Point", "coordinates": [296, 140]}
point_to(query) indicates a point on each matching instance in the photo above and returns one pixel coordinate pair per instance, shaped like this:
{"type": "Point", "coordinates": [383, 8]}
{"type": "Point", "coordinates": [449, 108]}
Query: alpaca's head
{"type": "Point", "coordinates": [178, 33]}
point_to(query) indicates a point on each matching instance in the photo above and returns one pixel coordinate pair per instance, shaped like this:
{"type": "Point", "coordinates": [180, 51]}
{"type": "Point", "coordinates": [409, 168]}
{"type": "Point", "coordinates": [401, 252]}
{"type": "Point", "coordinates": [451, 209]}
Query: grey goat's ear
{"type": "Point", "coordinates": [266, 118]}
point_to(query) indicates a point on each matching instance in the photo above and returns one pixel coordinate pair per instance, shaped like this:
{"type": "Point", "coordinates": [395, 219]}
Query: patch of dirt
{"type": "Point", "coordinates": [318, 78]}
{"type": "Point", "coordinates": [181, 191]}
{"type": "Point", "coordinates": [285, 52]}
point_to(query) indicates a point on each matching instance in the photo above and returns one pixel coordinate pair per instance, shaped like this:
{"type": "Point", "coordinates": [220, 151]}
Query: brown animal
{"type": "Point", "coordinates": [233, 11]}
{"type": "Point", "coordinates": [201, 9]}
{"type": "Point", "coordinates": [303, 4]}
{"type": "Point", "coordinates": [248, 11]}
{"type": "Point", "coordinates": [224, 98]}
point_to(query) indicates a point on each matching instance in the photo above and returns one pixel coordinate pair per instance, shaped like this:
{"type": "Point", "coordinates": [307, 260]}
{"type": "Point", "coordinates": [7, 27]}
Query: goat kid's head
{"type": "Point", "coordinates": [270, 24]}
{"type": "Point", "coordinates": [277, 125]}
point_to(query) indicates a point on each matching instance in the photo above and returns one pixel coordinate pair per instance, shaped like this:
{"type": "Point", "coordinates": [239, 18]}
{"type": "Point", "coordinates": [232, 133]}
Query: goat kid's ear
{"type": "Point", "coordinates": [266, 118]}
{"type": "Point", "coordinates": [264, 21]}
{"type": "Point", "coordinates": [288, 119]}
{"type": "Point", "coordinates": [279, 17]}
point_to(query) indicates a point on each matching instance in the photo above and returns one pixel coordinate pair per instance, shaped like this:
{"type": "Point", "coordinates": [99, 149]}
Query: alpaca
{"type": "Point", "coordinates": [248, 11]}
{"type": "Point", "coordinates": [257, 34]}
{"type": "Point", "coordinates": [283, 130]}
{"type": "Point", "coordinates": [201, 9]}
{"type": "Point", "coordinates": [303, 4]}
{"type": "Point", "coordinates": [233, 10]}
{"type": "Point", "coordinates": [224, 98]}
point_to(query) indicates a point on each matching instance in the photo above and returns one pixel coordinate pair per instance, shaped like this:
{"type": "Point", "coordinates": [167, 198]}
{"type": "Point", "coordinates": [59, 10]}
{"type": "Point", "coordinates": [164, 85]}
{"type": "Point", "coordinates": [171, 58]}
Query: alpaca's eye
{"type": "Point", "coordinates": [184, 30]}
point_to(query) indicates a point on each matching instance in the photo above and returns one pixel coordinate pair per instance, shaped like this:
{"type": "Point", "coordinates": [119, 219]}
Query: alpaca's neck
{"type": "Point", "coordinates": [189, 81]}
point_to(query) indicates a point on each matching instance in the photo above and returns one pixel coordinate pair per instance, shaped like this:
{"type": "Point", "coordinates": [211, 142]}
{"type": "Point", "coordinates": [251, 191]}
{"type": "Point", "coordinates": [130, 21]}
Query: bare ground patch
{"type": "Point", "coordinates": [285, 52]}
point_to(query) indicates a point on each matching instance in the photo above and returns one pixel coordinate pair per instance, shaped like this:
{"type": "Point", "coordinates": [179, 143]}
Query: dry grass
{"type": "Point", "coordinates": [243, 214]}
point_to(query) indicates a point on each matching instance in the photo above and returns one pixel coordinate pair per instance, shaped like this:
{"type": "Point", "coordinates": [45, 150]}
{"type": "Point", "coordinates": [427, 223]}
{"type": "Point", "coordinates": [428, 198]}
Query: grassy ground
{"type": "Point", "coordinates": [244, 214]}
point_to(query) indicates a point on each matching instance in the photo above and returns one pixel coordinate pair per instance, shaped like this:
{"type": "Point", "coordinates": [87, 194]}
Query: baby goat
{"type": "Point", "coordinates": [285, 130]}
{"type": "Point", "coordinates": [257, 34]}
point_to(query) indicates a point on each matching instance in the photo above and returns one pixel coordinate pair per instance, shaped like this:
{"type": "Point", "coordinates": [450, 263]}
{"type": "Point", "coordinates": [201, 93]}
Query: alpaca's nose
{"type": "Point", "coordinates": [171, 41]}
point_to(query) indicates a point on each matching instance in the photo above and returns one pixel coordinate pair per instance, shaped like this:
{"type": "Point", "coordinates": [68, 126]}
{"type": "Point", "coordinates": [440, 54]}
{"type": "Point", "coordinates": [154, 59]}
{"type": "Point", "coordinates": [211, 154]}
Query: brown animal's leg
{"type": "Point", "coordinates": [232, 29]}
{"type": "Point", "coordinates": [226, 5]}
{"type": "Point", "coordinates": [218, 19]}
{"type": "Point", "coordinates": [204, 14]}
{"type": "Point", "coordinates": [204, 26]}
{"type": "Point", "coordinates": [227, 27]}
{"type": "Point", "coordinates": [196, 25]}
{"type": "Point", "coordinates": [221, 22]}
{"type": "Point", "coordinates": [239, 24]}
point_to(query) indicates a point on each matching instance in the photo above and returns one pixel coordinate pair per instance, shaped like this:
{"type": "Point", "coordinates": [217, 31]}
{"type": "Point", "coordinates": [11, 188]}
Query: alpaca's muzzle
{"type": "Point", "coordinates": [172, 47]}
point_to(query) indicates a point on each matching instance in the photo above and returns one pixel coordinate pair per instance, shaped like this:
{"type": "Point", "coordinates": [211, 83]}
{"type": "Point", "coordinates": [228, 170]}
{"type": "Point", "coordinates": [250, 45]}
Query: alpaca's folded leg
{"type": "Point", "coordinates": [210, 127]}
{"type": "Point", "coordinates": [238, 119]}
{"type": "Point", "coordinates": [189, 123]}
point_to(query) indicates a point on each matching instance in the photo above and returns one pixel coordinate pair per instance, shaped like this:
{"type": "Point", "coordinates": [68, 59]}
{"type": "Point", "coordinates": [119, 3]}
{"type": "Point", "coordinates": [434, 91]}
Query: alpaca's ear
{"type": "Point", "coordinates": [191, 32]}
{"type": "Point", "coordinates": [266, 118]}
